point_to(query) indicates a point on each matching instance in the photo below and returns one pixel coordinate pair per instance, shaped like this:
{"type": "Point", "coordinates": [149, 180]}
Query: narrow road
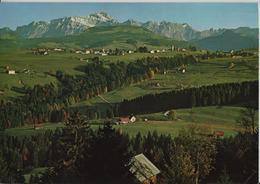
{"type": "Point", "coordinates": [103, 99]}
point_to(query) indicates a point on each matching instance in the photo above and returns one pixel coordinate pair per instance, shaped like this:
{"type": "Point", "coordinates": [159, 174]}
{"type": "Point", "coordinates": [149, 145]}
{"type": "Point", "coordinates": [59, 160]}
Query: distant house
{"type": "Point", "coordinates": [58, 49]}
{"type": "Point", "coordinates": [124, 120]}
{"type": "Point", "coordinates": [87, 52]}
{"type": "Point", "coordinates": [96, 52]}
{"type": "Point", "coordinates": [130, 52]}
{"type": "Point", "coordinates": [11, 72]}
{"type": "Point", "coordinates": [132, 119]}
{"type": "Point", "coordinates": [127, 119]}
{"type": "Point", "coordinates": [78, 52]}
{"type": "Point", "coordinates": [103, 54]}
{"type": "Point", "coordinates": [218, 133]}
{"type": "Point", "coordinates": [45, 53]}
{"type": "Point", "coordinates": [144, 171]}
{"type": "Point", "coordinates": [166, 113]}
{"type": "Point", "coordinates": [152, 51]}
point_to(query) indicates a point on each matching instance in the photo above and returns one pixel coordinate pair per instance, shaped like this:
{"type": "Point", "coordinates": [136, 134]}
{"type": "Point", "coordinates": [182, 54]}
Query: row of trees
{"type": "Point", "coordinates": [75, 154]}
{"type": "Point", "coordinates": [50, 103]}
{"type": "Point", "coordinates": [217, 94]}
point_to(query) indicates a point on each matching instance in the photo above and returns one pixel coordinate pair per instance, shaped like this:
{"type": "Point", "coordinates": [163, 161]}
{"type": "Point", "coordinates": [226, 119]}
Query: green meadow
{"type": "Point", "coordinates": [207, 72]}
{"type": "Point", "coordinates": [38, 66]}
{"type": "Point", "coordinates": [210, 119]}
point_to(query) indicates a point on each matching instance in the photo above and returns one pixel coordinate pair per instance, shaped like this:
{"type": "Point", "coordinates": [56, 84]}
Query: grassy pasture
{"type": "Point", "coordinates": [208, 72]}
{"type": "Point", "coordinates": [38, 66]}
{"type": "Point", "coordinates": [209, 118]}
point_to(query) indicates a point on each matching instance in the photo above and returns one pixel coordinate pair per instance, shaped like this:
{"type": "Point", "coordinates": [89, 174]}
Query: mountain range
{"type": "Point", "coordinates": [214, 39]}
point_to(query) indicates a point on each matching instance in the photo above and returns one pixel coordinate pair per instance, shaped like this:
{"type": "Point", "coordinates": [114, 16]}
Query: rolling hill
{"type": "Point", "coordinates": [228, 40]}
{"type": "Point", "coordinates": [119, 36]}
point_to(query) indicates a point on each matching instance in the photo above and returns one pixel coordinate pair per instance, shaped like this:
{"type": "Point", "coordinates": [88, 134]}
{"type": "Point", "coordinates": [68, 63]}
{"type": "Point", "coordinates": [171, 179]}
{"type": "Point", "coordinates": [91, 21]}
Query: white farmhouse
{"type": "Point", "coordinates": [96, 52]}
{"type": "Point", "coordinates": [78, 52]}
{"type": "Point", "coordinates": [58, 49]}
{"type": "Point", "coordinates": [132, 119]}
{"type": "Point", "coordinates": [11, 72]}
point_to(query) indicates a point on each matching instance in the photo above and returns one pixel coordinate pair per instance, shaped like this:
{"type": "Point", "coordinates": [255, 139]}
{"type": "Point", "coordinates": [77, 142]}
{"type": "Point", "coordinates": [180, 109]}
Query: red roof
{"type": "Point", "coordinates": [219, 133]}
{"type": "Point", "coordinates": [124, 119]}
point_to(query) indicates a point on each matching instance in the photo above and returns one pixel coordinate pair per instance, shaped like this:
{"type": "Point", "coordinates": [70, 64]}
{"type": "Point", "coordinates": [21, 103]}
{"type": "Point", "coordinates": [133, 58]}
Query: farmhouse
{"type": "Point", "coordinates": [218, 134]}
{"type": "Point", "coordinates": [143, 169]}
{"type": "Point", "coordinates": [58, 49]}
{"type": "Point", "coordinates": [87, 52]}
{"type": "Point", "coordinates": [78, 52]}
{"type": "Point", "coordinates": [152, 51]}
{"type": "Point", "coordinates": [103, 54]}
{"type": "Point", "coordinates": [11, 72]}
{"type": "Point", "coordinates": [130, 52]}
{"type": "Point", "coordinates": [96, 52]}
{"type": "Point", "coordinates": [127, 119]}
{"type": "Point", "coordinates": [166, 113]}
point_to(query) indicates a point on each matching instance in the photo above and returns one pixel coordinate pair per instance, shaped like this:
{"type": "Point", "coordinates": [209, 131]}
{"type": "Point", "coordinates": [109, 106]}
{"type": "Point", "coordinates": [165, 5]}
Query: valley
{"type": "Point", "coordinates": [82, 97]}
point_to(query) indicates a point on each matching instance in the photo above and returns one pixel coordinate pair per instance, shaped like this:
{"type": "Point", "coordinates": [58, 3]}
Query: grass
{"type": "Point", "coordinates": [40, 65]}
{"type": "Point", "coordinates": [29, 130]}
{"type": "Point", "coordinates": [32, 172]}
{"type": "Point", "coordinates": [209, 118]}
{"type": "Point", "coordinates": [208, 72]}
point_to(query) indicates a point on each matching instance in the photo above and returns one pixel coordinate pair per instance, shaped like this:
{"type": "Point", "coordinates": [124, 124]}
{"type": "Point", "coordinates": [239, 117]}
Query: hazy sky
{"type": "Point", "coordinates": [199, 15]}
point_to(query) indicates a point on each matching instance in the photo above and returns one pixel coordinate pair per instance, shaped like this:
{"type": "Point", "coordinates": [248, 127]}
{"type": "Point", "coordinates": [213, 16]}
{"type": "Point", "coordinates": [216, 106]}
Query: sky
{"type": "Point", "coordinates": [200, 16]}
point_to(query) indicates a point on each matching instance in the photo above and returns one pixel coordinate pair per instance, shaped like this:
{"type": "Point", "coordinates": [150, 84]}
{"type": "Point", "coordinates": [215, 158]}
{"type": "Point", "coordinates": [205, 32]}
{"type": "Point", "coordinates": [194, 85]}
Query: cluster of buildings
{"type": "Point", "coordinates": [46, 51]}
{"type": "Point", "coordinates": [125, 120]}
{"type": "Point", "coordinates": [103, 52]}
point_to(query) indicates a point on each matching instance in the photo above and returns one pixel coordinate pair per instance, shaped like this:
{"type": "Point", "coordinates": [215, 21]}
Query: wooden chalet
{"type": "Point", "coordinates": [144, 171]}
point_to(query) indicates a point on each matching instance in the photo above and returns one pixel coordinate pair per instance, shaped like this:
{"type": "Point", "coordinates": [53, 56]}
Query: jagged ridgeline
{"type": "Point", "coordinates": [102, 30]}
